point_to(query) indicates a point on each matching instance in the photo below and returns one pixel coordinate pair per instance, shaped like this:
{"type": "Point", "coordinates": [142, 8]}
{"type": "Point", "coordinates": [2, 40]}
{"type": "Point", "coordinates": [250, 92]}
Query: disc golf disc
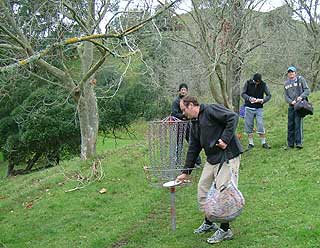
{"type": "Point", "coordinates": [172, 183]}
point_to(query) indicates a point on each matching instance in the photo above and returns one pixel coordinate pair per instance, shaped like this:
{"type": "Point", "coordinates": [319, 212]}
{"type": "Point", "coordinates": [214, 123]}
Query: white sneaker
{"type": "Point", "coordinates": [206, 228]}
{"type": "Point", "coordinates": [220, 235]}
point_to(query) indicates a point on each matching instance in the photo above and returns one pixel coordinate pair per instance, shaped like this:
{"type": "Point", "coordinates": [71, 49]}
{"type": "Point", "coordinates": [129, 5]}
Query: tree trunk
{"type": "Point", "coordinates": [32, 161]}
{"type": "Point", "coordinates": [315, 74]}
{"type": "Point", "coordinates": [87, 106]}
{"type": "Point", "coordinates": [236, 89]}
{"type": "Point", "coordinates": [236, 95]}
{"type": "Point", "coordinates": [214, 91]}
{"type": "Point", "coordinates": [223, 86]}
{"type": "Point", "coordinates": [10, 168]}
{"type": "Point", "coordinates": [89, 122]}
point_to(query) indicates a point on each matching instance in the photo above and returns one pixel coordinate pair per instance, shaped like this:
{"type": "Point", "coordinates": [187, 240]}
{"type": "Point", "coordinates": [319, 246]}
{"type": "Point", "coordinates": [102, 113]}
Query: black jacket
{"type": "Point", "coordinates": [251, 89]}
{"type": "Point", "coordinates": [175, 109]}
{"type": "Point", "coordinates": [214, 122]}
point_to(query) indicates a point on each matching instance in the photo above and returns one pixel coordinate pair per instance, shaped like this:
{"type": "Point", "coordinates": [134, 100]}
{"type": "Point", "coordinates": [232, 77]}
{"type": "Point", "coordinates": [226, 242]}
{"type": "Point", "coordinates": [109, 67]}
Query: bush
{"type": "Point", "coordinates": [41, 126]}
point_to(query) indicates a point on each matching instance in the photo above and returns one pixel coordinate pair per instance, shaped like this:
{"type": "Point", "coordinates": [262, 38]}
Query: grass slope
{"type": "Point", "coordinates": [281, 189]}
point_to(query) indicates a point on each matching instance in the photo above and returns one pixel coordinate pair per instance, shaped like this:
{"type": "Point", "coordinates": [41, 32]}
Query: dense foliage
{"type": "Point", "coordinates": [36, 124]}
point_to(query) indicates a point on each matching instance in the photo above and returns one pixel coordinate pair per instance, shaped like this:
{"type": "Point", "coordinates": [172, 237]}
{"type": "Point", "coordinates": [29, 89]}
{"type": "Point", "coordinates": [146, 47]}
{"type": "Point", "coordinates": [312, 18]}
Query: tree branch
{"type": "Point", "coordinates": [92, 70]}
{"type": "Point", "coordinates": [12, 47]}
{"type": "Point", "coordinates": [74, 40]}
{"type": "Point", "coordinates": [44, 79]}
{"type": "Point", "coordinates": [76, 17]}
{"type": "Point", "coordinates": [13, 37]}
{"type": "Point", "coordinates": [24, 42]}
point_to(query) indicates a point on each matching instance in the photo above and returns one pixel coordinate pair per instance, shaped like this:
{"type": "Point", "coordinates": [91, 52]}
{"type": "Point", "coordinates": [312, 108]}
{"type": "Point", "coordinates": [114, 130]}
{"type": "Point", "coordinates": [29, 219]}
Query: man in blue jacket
{"type": "Point", "coordinates": [214, 131]}
{"type": "Point", "coordinates": [255, 94]}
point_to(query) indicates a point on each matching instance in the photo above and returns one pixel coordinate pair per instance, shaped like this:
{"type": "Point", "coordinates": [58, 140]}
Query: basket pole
{"type": "Point", "coordinates": [173, 207]}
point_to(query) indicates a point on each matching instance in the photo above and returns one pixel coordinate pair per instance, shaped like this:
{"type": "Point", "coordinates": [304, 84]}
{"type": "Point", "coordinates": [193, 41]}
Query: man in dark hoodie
{"type": "Point", "coordinates": [255, 94]}
{"type": "Point", "coordinates": [176, 112]}
{"type": "Point", "coordinates": [214, 131]}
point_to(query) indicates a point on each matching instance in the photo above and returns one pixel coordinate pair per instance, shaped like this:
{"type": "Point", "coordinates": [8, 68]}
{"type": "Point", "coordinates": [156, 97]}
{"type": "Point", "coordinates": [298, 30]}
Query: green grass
{"type": "Point", "coordinates": [281, 190]}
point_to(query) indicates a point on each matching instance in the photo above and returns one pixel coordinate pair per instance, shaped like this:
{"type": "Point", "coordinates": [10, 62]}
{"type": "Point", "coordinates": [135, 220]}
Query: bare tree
{"type": "Point", "coordinates": [220, 31]}
{"type": "Point", "coordinates": [42, 34]}
{"type": "Point", "coordinates": [308, 11]}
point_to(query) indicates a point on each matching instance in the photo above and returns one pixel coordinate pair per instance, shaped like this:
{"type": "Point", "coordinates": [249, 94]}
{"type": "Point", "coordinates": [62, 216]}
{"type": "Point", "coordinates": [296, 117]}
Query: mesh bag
{"type": "Point", "coordinates": [224, 204]}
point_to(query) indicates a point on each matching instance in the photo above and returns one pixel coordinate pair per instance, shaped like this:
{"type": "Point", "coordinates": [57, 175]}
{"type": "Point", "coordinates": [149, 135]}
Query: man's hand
{"type": "Point", "coordinates": [221, 144]}
{"type": "Point", "coordinates": [299, 98]}
{"type": "Point", "coordinates": [252, 99]}
{"type": "Point", "coordinates": [293, 102]}
{"type": "Point", "coordinates": [183, 177]}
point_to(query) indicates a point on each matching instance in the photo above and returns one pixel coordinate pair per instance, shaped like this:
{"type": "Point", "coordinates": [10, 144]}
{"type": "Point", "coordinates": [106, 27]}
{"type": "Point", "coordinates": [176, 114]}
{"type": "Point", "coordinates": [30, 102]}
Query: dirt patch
{"type": "Point", "coordinates": [120, 243]}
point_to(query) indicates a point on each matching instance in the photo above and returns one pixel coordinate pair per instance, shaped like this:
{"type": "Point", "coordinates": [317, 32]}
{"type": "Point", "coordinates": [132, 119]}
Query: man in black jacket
{"type": "Point", "coordinates": [176, 112]}
{"type": "Point", "coordinates": [255, 94]}
{"type": "Point", "coordinates": [213, 131]}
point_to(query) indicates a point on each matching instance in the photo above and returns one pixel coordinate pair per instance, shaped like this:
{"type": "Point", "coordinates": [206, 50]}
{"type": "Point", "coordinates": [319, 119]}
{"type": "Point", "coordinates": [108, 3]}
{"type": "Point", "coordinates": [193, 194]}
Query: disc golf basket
{"type": "Point", "coordinates": [167, 151]}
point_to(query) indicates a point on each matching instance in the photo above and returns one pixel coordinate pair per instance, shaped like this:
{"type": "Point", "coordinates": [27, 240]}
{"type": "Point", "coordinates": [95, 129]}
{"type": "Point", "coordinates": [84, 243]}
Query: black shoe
{"type": "Point", "coordinates": [288, 147]}
{"type": "Point", "coordinates": [266, 146]}
{"type": "Point", "coordinates": [299, 146]}
{"type": "Point", "coordinates": [250, 146]}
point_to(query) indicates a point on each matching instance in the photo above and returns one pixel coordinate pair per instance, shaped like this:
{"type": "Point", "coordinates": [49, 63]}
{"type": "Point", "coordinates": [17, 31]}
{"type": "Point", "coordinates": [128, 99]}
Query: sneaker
{"type": "Point", "coordinates": [250, 146]}
{"type": "Point", "coordinates": [266, 146]}
{"type": "Point", "coordinates": [206, 228]}
{"type": "Point", "coordinates": [299, 146]}
{"type": "Point", "coordinates": [220, 235]}
{"type": "Point", "coordinates": [288, 147]}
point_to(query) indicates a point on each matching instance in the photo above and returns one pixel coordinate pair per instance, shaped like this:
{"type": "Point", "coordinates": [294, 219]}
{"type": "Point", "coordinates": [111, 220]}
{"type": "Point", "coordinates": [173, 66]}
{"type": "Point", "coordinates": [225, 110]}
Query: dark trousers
{"type": "Point", "coordinates": [198, 161]}
{"type": "Point", "coordinates": [295, 128]}
{"type": "Point", "coordinates": [186, 130]}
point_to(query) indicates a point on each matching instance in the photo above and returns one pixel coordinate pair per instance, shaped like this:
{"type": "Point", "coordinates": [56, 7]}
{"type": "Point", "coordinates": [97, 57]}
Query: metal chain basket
{"type": "Point", "coordinates": [167, 149]}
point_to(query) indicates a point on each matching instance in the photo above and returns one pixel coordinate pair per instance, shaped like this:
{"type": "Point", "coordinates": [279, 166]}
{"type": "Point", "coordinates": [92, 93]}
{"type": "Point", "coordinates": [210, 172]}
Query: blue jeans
{"type": "Point", "coordinates": [295, 128]}
{"type": "Point", "coordinates": [250, 114]}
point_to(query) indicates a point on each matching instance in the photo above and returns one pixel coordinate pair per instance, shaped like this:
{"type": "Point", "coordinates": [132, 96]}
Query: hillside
{"type": "Point", "coordinates": [281, 190]}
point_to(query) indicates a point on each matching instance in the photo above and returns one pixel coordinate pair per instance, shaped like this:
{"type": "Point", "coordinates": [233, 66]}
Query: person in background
{"type": "Point", "coordinates": [255, 93]}
{"type": "Point", "coordinates": [213, 131]}
{"type": "Point", "coordinates": [295, 89]}
{"type": "Point", "coordinates": [176, 112]}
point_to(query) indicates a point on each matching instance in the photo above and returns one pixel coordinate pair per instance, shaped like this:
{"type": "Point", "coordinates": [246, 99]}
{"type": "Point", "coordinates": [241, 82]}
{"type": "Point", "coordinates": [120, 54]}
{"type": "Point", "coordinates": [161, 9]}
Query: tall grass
{"type": "Point", "coordinates": [281, 190]}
